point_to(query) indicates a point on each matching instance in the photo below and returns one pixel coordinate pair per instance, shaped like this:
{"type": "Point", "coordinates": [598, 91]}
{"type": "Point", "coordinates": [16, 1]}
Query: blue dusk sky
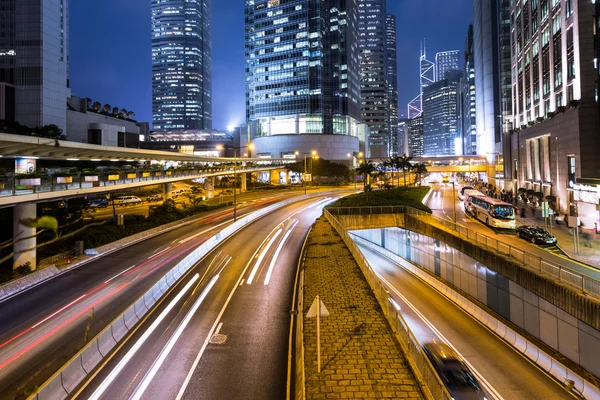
{"type": "Point", "coordinates": [111, 44]}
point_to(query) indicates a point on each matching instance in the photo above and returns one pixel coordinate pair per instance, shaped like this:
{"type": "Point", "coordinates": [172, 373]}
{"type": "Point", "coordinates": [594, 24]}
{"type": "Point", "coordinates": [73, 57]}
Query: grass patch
{"type": "Point", "coordinates": [412, 197]}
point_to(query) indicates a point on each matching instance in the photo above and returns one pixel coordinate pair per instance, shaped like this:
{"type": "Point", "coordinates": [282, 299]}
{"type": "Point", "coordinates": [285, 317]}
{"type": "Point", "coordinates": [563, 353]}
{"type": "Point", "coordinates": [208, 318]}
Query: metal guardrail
{"type": "Point", "coordinates": [70, 376]}
{"type": "Point", "coordinates": [543, 266]}
{"type": "Point", "coordinates": [419, 362]}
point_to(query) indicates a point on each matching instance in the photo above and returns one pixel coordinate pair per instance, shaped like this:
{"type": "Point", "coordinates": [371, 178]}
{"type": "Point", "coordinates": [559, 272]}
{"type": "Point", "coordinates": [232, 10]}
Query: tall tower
{"type": "Point", "coordinates": [391, 73]}
{"type": "Point", "coordinates": [374, 86]}
{"type": "Point", "coordinates": [34, 61]}
{"type": "Point", "coordinates": [446, 61]}
{"type": "Point", "coordinates": [302, 77]}
{"type": "Point", "coordinates": [181, 65]}
{"type": "Point", "coordinates": [426, 78]}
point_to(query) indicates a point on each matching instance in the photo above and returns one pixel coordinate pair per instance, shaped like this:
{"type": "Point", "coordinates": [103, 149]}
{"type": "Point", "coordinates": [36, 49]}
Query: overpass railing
{"type": "Point", "coordinates": [541, 265]}
{"type": "Point", "coordinates": [15, 184]}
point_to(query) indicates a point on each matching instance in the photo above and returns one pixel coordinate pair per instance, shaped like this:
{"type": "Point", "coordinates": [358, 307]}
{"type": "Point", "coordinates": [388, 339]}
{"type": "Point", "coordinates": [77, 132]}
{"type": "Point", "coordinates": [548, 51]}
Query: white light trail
{"type": "Point", "coordinates": [262, 256]}
{"type": "Point", "coordinates": [117, 370]}
{"type": "Point", "coordinates": [279, 248]}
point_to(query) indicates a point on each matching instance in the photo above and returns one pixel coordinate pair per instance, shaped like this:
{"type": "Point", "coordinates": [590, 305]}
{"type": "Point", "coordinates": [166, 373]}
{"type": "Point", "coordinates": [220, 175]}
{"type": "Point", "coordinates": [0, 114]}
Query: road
{"type": "Point", "coordinates": [43, 327]}
{"type": "Point", "coordinates": [442, 202]}
{"type": "Point", "coordinates": [502, 371]}
{"type": "Point", "coordinates": [227, 337]}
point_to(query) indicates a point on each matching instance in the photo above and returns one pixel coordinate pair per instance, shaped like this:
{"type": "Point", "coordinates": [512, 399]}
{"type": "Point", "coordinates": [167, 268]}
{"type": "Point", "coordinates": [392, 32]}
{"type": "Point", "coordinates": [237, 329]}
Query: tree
{"type": "Point", "coordinates": [115, 111]}
{"type": "Point", "coordinates": [419, 169]}
{"type": "Point", "coordinates": [365, 169]}
{"type": "Point", "coordinates": [88, 103]}
{"type": "Point", "coordinates": [123, 113]}
{"type": "Point", "coordinates": [106, 108]}
{"type": "Point", "coordinates": [130, 114]}
{"type": "Point", "coordinates": [96, 106]}
{"type": "Point", "coordinates": [404, 165]}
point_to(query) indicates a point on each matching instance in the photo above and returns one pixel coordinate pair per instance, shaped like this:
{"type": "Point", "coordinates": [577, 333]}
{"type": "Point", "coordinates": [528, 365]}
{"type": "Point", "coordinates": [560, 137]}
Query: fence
{"type": "Point", "coordinates": [565, 275]}
{"type": "Point", "coordinates": [525, 346]}
{"type": "Point", "coordinates": [418, 360]}
{"type": "Point", "coordinates": [70, 376]}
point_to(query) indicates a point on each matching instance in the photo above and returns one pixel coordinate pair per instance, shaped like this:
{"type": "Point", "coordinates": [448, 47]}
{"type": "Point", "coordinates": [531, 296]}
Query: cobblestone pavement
{"type": "Point", "coordinates": [360, 358]}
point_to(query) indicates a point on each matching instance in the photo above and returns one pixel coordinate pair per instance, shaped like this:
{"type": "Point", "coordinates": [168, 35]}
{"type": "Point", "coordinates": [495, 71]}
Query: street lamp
{"type": "Point", "coordinates": [220, 147]}
{"type": "Point", "coordinates": [313, 154]}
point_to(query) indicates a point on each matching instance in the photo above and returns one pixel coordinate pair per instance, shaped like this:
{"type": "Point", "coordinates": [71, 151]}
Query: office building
{"type": "Point", "coordinates": [376, 33]}
{"type": "Point", "coordinates": [302, 77]}
{"type": "Point", "coordinates": [492, 55]}
{"type": "Point", "coordinates": [440, 117]}
{"type": "Point", "coordinates": [446, 61]}
{"type": "Point", "coordinates": [403, 133]}
{"type": "Point", "coordinates": [181, 65]}
{"type": "Point", "coordinates": [468, 115]}
{"type": "Point", "coordinates": [555, 144]}
{"type": "Point", "coordinates": [34, 62]}
{"type": "Point", "coordinates": [415, 137]}
{"type": "Point", "coordinates": [391, 72]}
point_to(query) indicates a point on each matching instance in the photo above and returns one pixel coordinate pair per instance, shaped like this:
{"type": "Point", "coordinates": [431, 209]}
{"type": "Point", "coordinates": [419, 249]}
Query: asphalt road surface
{"type": "Point", "coordinates": [502, 371]}
{"type": "Point", "coordinates": [443, 202]}
{"type": "Point", "coordinates": [227, 336]}
{"type": "Point", "coordinates": [44, 327]}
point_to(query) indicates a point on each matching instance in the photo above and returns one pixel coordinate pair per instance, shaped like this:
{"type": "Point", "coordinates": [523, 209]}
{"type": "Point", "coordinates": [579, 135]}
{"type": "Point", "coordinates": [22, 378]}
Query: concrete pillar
{"type": "Point", "coordinates": [210, 189]}
{"type": "Point", "coordinates": [167, 190]}
{"type": "Point", "coordinates": [274, 177]}
{"type": "Point", "coordinates": [21, 211]}
{"type": "Point", "coordinates": [297, 124]}
{"type": "Point", "coordinates": [244, 178]}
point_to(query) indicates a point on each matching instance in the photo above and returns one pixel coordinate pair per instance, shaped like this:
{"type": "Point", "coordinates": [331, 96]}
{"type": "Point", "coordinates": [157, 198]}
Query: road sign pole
{"type": "Point", "coordinates": [318, 335]}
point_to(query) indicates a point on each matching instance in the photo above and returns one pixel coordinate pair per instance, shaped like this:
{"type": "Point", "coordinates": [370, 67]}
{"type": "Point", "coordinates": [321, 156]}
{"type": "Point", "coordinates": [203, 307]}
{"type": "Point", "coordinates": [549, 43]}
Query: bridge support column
{"type": "Point", "coordinates": [244, 182]}
{"type": "Point", "coordinates": [210, 188]}
{"type": "Point", "coordinates": [274, 177]}
{"type": "Point", "coordinates": [22, 254]}
{"type": "Point", "coordinates": [167, 190]}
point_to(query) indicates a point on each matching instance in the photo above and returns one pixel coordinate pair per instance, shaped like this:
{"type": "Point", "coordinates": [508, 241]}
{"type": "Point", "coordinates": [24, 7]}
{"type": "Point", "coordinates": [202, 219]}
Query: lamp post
{"type": "Point", "coordinates": [312, 154]}
{"type": "Point", "coordinates": [220, 147]}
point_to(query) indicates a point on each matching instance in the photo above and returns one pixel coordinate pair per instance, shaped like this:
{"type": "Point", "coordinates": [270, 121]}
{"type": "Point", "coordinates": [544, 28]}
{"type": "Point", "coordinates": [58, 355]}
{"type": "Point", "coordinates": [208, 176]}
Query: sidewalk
{"type": "Point", "coordinates": [360, 358]}
{"type": "Point", "coordinates": [587, 255]}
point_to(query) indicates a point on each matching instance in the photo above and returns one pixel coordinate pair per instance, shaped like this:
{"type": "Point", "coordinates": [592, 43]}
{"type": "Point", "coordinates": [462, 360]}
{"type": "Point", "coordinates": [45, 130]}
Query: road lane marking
{"type": "Point", "coordinates": [163, 355]}
{"type": "Point", "coordinates": [242, 282]}
{"type": "Point", "coordinates": [218, 329]}
{"type": "Point", "coordinates": [200, 233]}
{"type": "Point", "coordinates": [263, 253]}
{"type": "Point", "coordinates": [276, 255]}
{"type": "Point", "coordinates": [160, 252]}
{"type": "Point", "coordinates": [125, 360]}
{"type": "Point", "coordinates": [119, 274]}
{"type": "Point", "coordinates": [436, 332]}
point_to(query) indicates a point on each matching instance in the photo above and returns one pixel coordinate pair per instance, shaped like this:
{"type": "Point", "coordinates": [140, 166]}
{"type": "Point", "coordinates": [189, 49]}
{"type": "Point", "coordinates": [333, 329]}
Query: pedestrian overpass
{"type": "Point", "coordinates": [453, 164]}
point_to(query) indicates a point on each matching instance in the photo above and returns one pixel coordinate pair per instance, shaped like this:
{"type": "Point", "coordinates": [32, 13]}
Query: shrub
{"type": "Point", "coordinates": [561, 109]}
{"type": "Point", "coordinates": [24, 269]}
{"type": "Point", "coordinates": [539, 195]}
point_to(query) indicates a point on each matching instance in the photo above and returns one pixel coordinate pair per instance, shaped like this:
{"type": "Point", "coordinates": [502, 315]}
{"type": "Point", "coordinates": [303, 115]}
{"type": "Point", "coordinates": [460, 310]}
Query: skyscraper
{"type": "Point", "coordinates": [302, 76]}
{"type": "Point", "coordinates": [468, 117]}
{"type": "Point", "coordinates": [492, 54]}
{"type": "Point", "coordinates": [415, 137]}
{"type": "Point", "coordinates": [440, 117]}
{"type": "Point", "coordinates": [374, 86]}
{"type": "Point", "coordinates": [426, 78]}
{"type": "Point", "coordinates": [391, 73]}
{"type": "Point", "coordinates": [34, 61]}
{"type": "Point", "coordinates": [181, 65]}
{"type": "Point", "coordinates": [446, 61]}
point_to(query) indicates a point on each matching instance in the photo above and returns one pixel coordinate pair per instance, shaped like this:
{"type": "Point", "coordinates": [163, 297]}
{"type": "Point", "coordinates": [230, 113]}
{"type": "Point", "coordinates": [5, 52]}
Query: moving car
{"type": "Point", "coordinates": [535, 234]}
{"type": "Point", "coordinates": [129, 200]}
{"type": "Point", "coordinates": [454, 373]}
{"type": "Point", "coordinates": [97, 201]}
{"type": "Point", "coordinates": [178, 192]}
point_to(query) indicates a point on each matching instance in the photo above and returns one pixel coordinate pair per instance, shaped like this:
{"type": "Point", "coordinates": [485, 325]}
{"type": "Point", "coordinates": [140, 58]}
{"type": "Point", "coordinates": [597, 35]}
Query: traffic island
{"type": "Point", "coordinates": [360, 356]}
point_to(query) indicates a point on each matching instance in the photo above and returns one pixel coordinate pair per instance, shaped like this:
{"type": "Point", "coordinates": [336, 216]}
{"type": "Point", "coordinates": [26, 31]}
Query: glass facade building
{"type": "Point", "coordinates": [467, 99]}
{"type": "Point", "coordinates": [446, 61]}
{"type": "Point", "coordinates": [181, 65]}
{"type": "Point", "coordinates": [391, 72]}
{"type": "Point", "coordinates": [34, 61]}
{"type": "Point", "coordinates": [302, 69]}
{"type": "Point", "coordinates": [440, 117]}
{"type": "Point", "coordinates": [415, 137]}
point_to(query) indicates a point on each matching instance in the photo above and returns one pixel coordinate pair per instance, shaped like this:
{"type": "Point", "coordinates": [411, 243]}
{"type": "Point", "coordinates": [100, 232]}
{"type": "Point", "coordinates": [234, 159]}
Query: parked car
{"type": "Point", "coordinates": [154, 197]}
{"type": "Point", "coordinates": [535, 234]}
{"type": "Point", "coordinates": [129, 200]}
{"type": "Point", "coordinates": [454, 373]}
{"type": "Point", "coordinates": [178, 192]}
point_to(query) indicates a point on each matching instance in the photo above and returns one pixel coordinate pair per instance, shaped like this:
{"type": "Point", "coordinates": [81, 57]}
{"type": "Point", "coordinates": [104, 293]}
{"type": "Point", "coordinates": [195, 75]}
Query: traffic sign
{"type": "Point", "coordinates": [312, 311]}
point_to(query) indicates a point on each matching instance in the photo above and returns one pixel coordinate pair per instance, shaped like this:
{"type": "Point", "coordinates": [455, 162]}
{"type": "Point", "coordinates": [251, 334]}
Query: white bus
{"type": "Point", "coordinates": [492, 212]}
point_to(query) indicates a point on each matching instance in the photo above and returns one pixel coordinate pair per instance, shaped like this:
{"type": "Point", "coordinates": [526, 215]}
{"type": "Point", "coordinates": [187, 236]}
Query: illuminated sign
{"type": "Point", "coordinates": [585, 188]}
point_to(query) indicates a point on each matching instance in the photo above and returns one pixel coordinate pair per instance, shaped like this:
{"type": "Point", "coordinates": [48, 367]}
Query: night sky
{"type": "Point", "coordinates": [111, 44]}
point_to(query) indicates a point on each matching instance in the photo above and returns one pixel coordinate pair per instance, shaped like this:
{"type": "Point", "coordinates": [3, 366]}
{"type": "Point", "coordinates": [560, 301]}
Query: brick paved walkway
{"type": "Point", "coordinates": [360, 357]}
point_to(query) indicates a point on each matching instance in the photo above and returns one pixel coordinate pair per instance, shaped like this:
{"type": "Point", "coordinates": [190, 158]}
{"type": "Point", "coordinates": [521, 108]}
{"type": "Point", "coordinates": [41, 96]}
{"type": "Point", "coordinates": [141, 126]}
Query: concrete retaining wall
{"type": "Point", "coordinates": [12, 287]}
{"type": "Point", "coordinates": [556, 328]}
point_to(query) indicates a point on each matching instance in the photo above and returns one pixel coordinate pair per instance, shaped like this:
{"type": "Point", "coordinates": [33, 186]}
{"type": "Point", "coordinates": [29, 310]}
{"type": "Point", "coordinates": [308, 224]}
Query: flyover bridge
{"type": "Point", "coordinates": [24, 186]}
{"type": "Point", "coordinates": [463, 164]}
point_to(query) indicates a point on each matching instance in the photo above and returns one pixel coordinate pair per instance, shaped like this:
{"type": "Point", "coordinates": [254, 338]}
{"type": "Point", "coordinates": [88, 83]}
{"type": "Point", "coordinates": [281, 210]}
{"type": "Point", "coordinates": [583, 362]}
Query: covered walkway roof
{"type": "Point", "coordinates": [28, 146]}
